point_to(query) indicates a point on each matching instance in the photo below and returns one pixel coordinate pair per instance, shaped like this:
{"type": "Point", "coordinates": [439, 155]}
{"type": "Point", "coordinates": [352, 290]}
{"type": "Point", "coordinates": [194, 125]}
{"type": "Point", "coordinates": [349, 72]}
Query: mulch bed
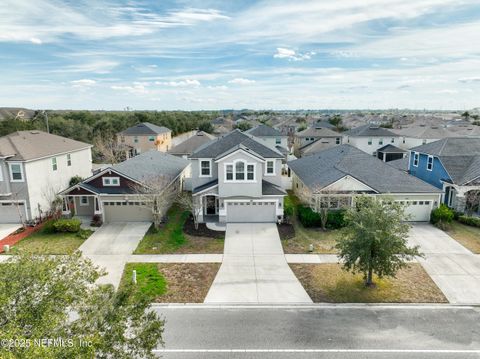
{"type": "Point", "coordinates": [18, 235]}
{"type": "Point", "coordinates": [187, 282]}
{"type": "Point", "coordinates": [286, 230]}
{"type": "Point", "coordinates": [202, 231]}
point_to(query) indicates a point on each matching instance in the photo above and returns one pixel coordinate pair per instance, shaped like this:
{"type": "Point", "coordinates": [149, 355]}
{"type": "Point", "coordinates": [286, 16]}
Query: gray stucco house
{"type": "Point", "coordinates": [237, 178]}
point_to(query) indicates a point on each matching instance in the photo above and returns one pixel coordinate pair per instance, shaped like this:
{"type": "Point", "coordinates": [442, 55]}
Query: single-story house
{"type": "Point", "coordinates": [113, 193]}
{"type": "Point", "coordinates": [338, 174]}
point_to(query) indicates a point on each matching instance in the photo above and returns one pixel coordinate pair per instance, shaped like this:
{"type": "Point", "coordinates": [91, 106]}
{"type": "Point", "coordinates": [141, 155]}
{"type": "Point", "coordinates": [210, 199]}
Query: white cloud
{"type": "Point", "coordinates": [83, 83]}
{"type": "Point", "coordinates": [241, 81]}
{"type": "Point", "coordinates": [136, 88]}
{"type": "Point", "coordinates": [35, 40]}
{"type": "Point", "coordinates": [283, 53]}
{"type": "Point", "coordinates": [469, 79]}
{"type": "Point", "coordinates": [181, 83]}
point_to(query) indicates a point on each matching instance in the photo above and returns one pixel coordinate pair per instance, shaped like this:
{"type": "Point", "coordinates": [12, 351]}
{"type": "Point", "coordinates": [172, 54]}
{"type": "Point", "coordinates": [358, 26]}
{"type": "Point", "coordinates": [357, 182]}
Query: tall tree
{"type": "Point", "coordinates": [336, 121]}
{"type": "Point", "coordinates": [189, 203]}
{"type": "Point", "coordinates": [375, 238]}
{"type": "Point", "coordinates": [55, 298]}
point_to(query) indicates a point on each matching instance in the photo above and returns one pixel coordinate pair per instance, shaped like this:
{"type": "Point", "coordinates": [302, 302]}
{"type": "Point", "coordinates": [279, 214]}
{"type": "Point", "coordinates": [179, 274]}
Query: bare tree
{"type": "Point", "coordinates": [109, 150]}
{"type": "Point", "coordinates": [189, 203]}
{"type": "Point", "coordinates": [55, 202]}
{"type": "Point", "coordinates": [157, 193]}
{"type": "Point", "coordinates": [19, 211]}
{"type": "Point", "coordinates": [472, 201]}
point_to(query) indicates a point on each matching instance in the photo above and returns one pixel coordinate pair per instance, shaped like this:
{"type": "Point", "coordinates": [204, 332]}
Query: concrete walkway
{"type": "Point", "coordinates": [254, 268]}
{"type": "Point", "coordinates": [454, 269]}
{"type": "Point", "coordinates": [110, 247]}
{"type": "Point", "coordinates": [7, 228]}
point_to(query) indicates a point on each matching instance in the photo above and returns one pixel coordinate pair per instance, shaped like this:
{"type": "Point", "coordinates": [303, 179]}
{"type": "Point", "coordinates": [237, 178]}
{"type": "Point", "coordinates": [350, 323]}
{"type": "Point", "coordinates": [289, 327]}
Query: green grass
{"type": "Point", "coordinates": [150, 281]}
{"type": "Point", "coordinates": [467, 236]}
{"type": "Point", "coordinates": [52, 243]}
{"type": "Point", "coordinates": [167, 239]}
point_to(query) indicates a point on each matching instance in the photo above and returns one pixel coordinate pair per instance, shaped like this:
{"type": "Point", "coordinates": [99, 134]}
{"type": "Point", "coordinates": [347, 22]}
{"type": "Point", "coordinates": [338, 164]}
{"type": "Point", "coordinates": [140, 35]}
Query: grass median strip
{"type": "Point", "coordinates": [329, 283]}
{"type": "Point", "coordinates": [467, 236]}
{"type": "Point", "coordinates": [52, 243]}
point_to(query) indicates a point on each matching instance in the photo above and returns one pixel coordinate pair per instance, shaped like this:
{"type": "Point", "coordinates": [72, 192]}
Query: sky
{"type": "Point", "coordinates": [270, 54]}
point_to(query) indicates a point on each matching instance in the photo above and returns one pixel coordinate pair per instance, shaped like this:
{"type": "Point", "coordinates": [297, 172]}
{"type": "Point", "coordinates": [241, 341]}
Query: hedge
{"type": "Point", "coordinates": [67, 225]}
{"type": "Point", "coordinates": [310, 218]}
{"type": "Point", "coordinates": [442, 215]}
{"type": "Point", "coordinates": [470, 221]}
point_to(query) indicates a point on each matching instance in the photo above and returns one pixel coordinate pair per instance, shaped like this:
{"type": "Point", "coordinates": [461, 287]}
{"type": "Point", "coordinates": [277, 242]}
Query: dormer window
{"type": "Point", "coordinates": [278, 140]}
{"type": "Point", "coordinates": [111, 181]}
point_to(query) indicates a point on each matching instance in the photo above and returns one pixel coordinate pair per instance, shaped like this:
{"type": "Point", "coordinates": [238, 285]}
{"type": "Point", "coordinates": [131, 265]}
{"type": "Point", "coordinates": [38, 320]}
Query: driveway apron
{"type": "Point", "coordinates": [254, 268]}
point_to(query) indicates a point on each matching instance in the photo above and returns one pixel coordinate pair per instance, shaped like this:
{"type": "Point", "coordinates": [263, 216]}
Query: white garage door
{"type": "Point", "coordinates": [9, 212]}
{"type": "Point", "coordinates": [419, 211]}
{"type": "Point", "coordinates": [126, 212]}
{"type": "Point", "coordinates": [243, 212]}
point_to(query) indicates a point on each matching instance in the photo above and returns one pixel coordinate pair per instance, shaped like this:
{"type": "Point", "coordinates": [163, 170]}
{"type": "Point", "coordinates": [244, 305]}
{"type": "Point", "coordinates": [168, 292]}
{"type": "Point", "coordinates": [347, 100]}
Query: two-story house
{"type": "Point", "coordinates": [34, 167]}
{"type": "Point", "coordinates": [315, 139]}
{"type": "Point", "coordinates": [370, 138]}
{"type": "Point", "coordinates": [237, 178]}
{"type": "Point", "coordinates": [418, 135]}
{"type": "Point", "coordinates": [145, 137]}
{"type": "Point", "coordinates": [271, 137]}
{"type": "Point", "coordinates": [453, 165]}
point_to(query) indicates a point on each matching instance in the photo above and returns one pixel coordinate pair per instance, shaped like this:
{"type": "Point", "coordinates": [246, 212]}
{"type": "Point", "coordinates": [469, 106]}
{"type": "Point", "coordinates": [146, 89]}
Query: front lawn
{"type": "Point", "coordinates": [467, 236]}
{"type": "Point", "coordinates": [52, 243]}
{"type": "Point", "coordinates": [172, 282]}
{"type": "Point", "coordinates": [323, 241]}
{"type": "Point", "coordinates": [329, 283]}
{"type": "Point", "coordinates": [171, 237]}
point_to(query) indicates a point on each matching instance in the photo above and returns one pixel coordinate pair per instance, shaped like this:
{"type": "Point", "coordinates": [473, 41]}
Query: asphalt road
{"type": "Point", "coordinates": [321, 332]}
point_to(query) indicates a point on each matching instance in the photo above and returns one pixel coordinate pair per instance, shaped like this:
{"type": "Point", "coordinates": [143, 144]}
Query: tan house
{"type": "Point", "coordinates": [144, 137]}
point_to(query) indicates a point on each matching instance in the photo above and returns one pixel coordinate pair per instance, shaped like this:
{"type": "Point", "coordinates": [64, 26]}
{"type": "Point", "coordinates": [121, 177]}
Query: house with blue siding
{"type": "Point", "coordinates": [453, 165]}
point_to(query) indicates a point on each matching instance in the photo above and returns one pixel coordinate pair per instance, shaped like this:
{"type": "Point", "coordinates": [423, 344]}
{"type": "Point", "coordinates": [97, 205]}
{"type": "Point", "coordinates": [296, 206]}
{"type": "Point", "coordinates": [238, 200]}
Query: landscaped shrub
{"type": "Point", "coordinates": [67, 225]}
{"type": "Point", "coordinates": [442, 216]}
{"type": "Point", "coordinates": [470, 221]}
{"type": "Point", "coordinates": [288, 206]}
{"type": "Point", "coordinates": [307, 217]}
{"type": "Point", "coordinates": [84, 233]}
{"type": "Point", "coordinates": [335, 219]}
{"type": "Point", "coordinates": [49, 227]}
{"type": "Point", "coordinates": [96, 220]}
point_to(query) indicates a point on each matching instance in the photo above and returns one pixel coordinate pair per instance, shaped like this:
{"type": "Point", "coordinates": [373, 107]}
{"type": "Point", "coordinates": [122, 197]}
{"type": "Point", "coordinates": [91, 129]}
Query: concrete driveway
{"type": "Point", "coordinates": [254, 268]}
{"type": "Point", "coordinates": [111, 245]}
{"type": "Point", "coordinates": [454, 269]}
{"type": "Point", "coordinates": [7, 228]}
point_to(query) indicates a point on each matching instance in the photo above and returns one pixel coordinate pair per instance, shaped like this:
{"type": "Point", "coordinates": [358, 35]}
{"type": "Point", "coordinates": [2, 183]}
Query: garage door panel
{"type": "Point", "coordinates": [126, 212]}
{"type": "Point", "coordinates": [9, 212]}
{"type": "Point", "coordinates": [238, 212]}
{"type": "Point", "coordinates": [418, 210]}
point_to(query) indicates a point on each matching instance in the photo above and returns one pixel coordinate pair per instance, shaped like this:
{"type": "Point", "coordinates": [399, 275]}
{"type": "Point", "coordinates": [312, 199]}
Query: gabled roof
{"type": "Point", "coordinates": [460, 157]}
{"type": "Point", "coordinates": [190, 145]}
{"type": "Point", "coordinates": [145, 128]}
{"type": "Point", "coordinates": [323, 168]}
{"type": "Point", "coordinates": [318, 132]}
{"type": "Point", "coordinates": [264, 131]}
{"type": "Point", "coordinates": [401, 164]}
{"type": "Point", "coordinates": [151, 164]}
{"type": "Point", "coordinates": [30, 145]}
{"type": "Point", "coordinates": [369, 130]}
{"type": "Point", "coordinates": [424, 132]}
{"type": "Point", "coordinates": [390, 149]}
{"type": "Point", "coordinates": [323, 124]}
{"type": "Point", "coordinates": [269, 189]}
{"type": "Point", "coordinates": [232, 140]}
{"type": "Point", "coordinates": [205, 186]}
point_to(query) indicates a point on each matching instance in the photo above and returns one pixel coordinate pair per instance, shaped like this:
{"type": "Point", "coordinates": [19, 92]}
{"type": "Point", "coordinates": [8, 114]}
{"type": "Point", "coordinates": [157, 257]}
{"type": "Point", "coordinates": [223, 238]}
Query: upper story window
{"type": "Point", "coordinates": [380, 141]}
{"type": "Point", "coordinates": [278, 140]}
{"type": "Point", "coordinates": [69, 160]}
{"type": "Point", "coordinates": [151, 138]}
{"type": "Point", "coordinates": [430, 163]}
{"type": "Point", "coordinates": [16, 172]}
{"type": "Point", "coordinates": [370, 141]}
{"type": "Point", "coordinates": [240, 171]}
{"type": "Point", "coordinates": [205, 168]}
{"type": "Point", "coordinates": [415, 158]}
{"type": "Point", "coordinates": [54, 164]}
{"type": "Point", "coordinates": [270, 167]}
{"type": "Point", "coordinates": [1, 174]}
{"type": "Point", "coordinates": [424, 141]}
{"type": "Point", "coordinates": [404, 140]}
{"type": "Point", "coordinates": [111, 181]}
{"type": "Point", "coordinates": [229, 172]}
{"type": "Point", "coordinates": [392, 140]}
{"type": "Point", "coordinates": [135, 139]}
{"type": "Point", "coordinates": [337, 140]}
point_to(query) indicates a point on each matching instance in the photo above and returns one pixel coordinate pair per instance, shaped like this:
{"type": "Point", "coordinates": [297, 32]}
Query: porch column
{"type": "Point", "coordinates": [97, 206]}
{"type": "Point", "coordinates": [65, 206]}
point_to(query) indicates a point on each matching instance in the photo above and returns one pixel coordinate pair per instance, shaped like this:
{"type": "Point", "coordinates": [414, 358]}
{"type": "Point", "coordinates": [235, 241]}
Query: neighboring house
{"type": "Point", "coordinates": [271, 137]}
{"type": "Point", "coordinates": [390, 152]}
{"type": "Point", "coordinates": [336, 175]}
{"type": "Point", "coordinates": [113, 192]}
{"type": "Point", "coordinates": [237, 178]}
{"type": "Point", "coordinates": [144, 137]}
{"type": "Point", "coordinates": [322, 137]}
{"type": "Point", "coordinates": [370, 138]}
{"type": "Point", "coordinates": [419, 135]}
{"type": "Point", "coordinates": [186, 148]}
{"type": "Point", "coordinates": [34, 167]}
{"type": "Point", "coordinates": [401, 164]}
{"type": "Point", "coordinates": [451, 164]}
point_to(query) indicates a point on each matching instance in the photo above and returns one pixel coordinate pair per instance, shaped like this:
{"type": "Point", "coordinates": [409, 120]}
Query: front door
{"type": "Point", "coordinates": [211, 205]}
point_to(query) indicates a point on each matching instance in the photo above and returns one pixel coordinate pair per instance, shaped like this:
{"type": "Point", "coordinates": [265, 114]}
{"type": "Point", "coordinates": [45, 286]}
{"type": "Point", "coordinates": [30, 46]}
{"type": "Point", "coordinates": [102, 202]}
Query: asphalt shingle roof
{"type": "Point", "coordinates": [190, 145]}
{"type": "Point", "coordinates": [460, 156]}
{"type": "Point", "coordinates": [424, 132]}
{"type": "Point", "coordinates": [325, 167]}
{"type": "Point", "coordinates": [390, 149]}
{"type": "Point", "coordinates": [269, 189]}
{"type": "Point", "coordinates": [401, 164]}
{"type": "Point", "coordinates": [145, 128]}
{"type": "Point", "coordinates": [234, 139]}
{"type": "Point", "coordinates": [318, 132]}
{"type": "Point", "coordinates": [29, 145]}
{"type": "Point", "coordinates": [264, 131]}
{"type": "Point", "coordinates": [369, 131]}
{"type": "Point", "coordinates": [151, 164]}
